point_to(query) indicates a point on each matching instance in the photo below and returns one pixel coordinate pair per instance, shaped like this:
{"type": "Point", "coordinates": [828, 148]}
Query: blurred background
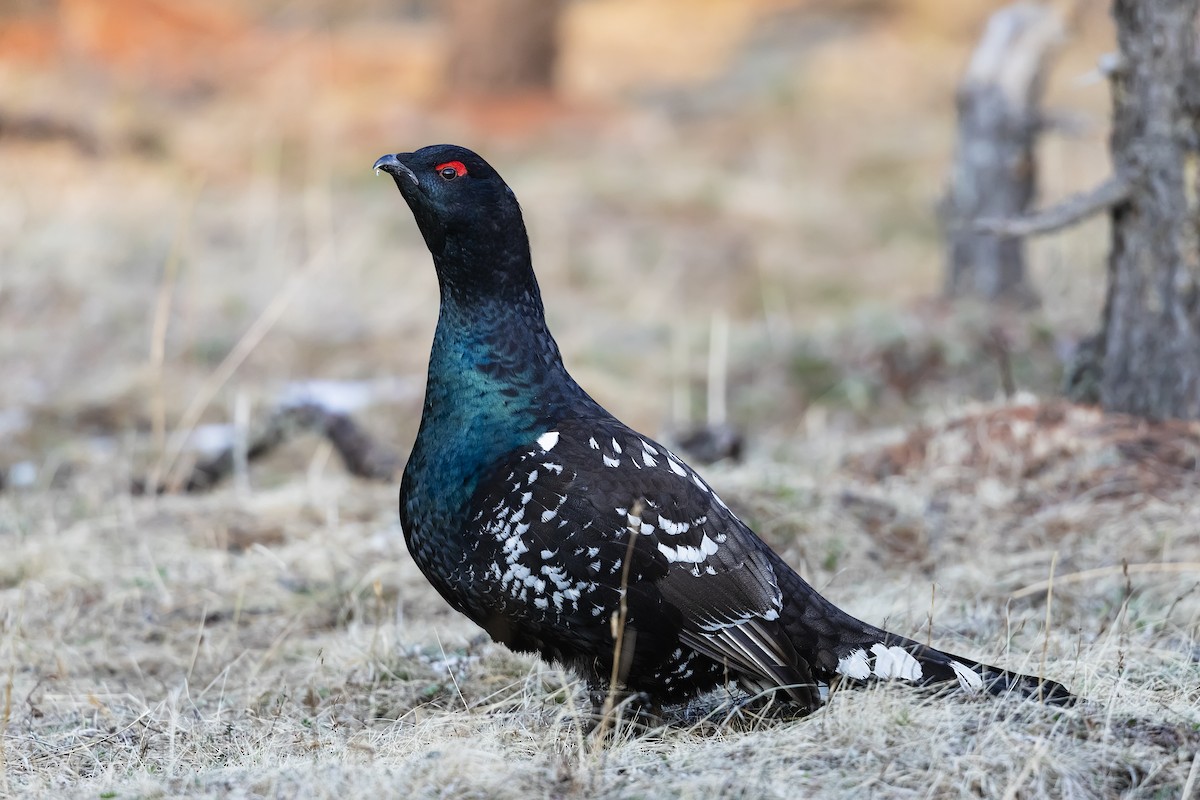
{"type": "Point", "coordinates": [189, 225]}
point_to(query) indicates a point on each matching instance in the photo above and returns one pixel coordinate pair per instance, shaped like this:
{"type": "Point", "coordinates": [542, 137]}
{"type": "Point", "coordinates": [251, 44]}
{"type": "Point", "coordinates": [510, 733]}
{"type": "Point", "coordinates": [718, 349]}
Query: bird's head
{"type": "Point", "coordinates": [458, 200]}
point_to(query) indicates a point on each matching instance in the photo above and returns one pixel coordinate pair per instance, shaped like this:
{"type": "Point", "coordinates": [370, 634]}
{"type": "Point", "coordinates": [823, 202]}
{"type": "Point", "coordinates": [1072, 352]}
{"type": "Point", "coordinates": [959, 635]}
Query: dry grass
{"type": "Point", "coordinates": [273, 638]}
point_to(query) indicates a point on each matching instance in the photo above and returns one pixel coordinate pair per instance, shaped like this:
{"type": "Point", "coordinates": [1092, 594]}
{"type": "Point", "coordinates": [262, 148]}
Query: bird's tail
{"type": "Point", "coordinates": [892, 655]}
{"type": "Point", "coordinates": [842, 647]}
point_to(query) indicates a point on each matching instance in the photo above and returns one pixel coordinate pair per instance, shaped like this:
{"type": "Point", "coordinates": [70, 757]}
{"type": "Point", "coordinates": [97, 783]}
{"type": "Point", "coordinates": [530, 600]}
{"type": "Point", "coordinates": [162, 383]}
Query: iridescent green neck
{"type": "Point", "coordinates": [496, 383]}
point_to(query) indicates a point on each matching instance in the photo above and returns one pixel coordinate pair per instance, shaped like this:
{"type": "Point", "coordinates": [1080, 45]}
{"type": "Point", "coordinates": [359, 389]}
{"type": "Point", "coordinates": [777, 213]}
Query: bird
{"type": "Point", "coordinates": [563, 532]}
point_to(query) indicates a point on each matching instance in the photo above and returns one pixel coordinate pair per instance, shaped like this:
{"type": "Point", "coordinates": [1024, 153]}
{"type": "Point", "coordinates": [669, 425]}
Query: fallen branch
{"type": "Point", "coordinates": [1075, 208]}
{"type": "Point", "coordinates": [362, 455]}
{"type": "Point", "coordinates": [43, 128]}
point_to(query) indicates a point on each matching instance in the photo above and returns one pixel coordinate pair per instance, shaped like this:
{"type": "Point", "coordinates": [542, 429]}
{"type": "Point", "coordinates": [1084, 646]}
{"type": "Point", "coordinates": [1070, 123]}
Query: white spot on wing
{"type": "Point", "coordinates": [895, 662]}
{"type": "Point", "coordinates": [683, 553]}
{"type": "Point", "coordinates": [672, 527]}
{"type": "Point", "coordinates": [547, 440]}
{"type": "Point", "coordinates": [855, 665]}
{"type": "Point", "coordinates": [968, 678]}
{"type": "Point", "coordinates": [611, 462]}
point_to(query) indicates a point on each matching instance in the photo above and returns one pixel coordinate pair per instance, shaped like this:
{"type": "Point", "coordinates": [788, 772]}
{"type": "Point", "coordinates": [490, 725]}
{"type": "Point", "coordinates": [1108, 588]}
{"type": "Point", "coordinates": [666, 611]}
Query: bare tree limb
{"type": "Point", "coordinates": [1075, 208]}
{"type": "Point", "coordinates": [363, 455]}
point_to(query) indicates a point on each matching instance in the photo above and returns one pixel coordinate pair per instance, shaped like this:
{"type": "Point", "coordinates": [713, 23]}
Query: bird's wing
{"type": "Point", "coordinates": [591, 509]}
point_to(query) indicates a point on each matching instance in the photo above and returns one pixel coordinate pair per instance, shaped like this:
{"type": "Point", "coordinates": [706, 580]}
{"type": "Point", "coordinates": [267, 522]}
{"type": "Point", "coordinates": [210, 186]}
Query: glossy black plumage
{"type": "Point", "coordinates": [531, 509]}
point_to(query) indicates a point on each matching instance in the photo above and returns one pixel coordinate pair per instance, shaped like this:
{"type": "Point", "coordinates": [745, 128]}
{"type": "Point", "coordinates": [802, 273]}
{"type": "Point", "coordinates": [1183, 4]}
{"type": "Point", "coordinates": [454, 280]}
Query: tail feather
{"type": "Point", "coordinates": [837, 644]}
{"type": "Point", "coordinates": [897, 657]}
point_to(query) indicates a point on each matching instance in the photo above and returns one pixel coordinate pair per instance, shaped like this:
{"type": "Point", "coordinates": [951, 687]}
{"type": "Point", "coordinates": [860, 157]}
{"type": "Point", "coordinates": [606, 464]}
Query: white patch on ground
{"type": "Point", "coordinates": [968, 679]}
{"type": "Point", "coordinates": [855, 665]}
{"type": "Point", "coordinates": [895, 662]}
{"type": "Point", "coordinates": [547, 440]}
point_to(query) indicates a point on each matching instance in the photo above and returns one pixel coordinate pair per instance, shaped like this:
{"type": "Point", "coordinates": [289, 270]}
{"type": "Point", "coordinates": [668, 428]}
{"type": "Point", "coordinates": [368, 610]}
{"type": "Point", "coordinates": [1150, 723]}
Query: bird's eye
{"type": "Point", "coordinates": [451, 170]}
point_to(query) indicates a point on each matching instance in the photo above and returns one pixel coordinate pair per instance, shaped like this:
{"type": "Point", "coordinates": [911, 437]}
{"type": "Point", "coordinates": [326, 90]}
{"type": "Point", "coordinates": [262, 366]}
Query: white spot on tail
{"type": "Point", "coordinates": [968, 679]}
{"type": "Point", "coordinates": [547, 440]}
{"type": "Point", "coordinates": [895, 662]}
{"type": "Point", "coordinates": [855, 665]}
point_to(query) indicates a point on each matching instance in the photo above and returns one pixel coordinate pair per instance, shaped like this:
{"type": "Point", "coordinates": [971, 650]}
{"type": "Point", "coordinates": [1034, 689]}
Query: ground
{"type": "Point", "coordinates": [195, 247]}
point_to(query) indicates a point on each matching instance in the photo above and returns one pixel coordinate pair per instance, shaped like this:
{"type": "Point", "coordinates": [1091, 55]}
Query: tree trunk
{"type": "Point", "coordinates": [993, 176]}
{"type": "Point", "coordinates": [500, 47]}
{"type": "Point", "coordinates": [1150, 344]}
